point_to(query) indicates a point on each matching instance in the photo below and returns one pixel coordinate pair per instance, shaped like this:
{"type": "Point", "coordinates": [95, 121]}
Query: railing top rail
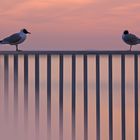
{"type": "Point", "coordinates": [59, 52]}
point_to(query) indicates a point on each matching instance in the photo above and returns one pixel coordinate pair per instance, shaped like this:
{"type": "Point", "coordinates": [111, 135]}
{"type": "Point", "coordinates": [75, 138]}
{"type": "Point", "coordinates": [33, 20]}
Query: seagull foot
{"type": "Point", "coordinates": [18, 50]}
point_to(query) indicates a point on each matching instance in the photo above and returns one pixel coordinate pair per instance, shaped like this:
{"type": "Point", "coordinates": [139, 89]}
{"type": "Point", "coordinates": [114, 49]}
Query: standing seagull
{"type": "Point", "coordinates": [130, 39]}
{"type": "Point", "coordinates": [16, 38]}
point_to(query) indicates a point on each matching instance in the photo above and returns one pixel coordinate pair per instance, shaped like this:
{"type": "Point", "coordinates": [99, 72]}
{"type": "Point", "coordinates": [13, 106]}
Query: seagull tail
{"type": "Point", "coordinates": [139, 41]}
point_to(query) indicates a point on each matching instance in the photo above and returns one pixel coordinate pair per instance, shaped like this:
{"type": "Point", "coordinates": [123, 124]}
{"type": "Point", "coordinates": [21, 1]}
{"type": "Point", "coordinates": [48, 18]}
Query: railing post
{"type": "Point", "coordinates": [61, 99]}
{"type": "Point", "coordinates": [49, 97]}
{"type": "Point", "coordinates": [15, 88]}
{"type": "Point", "coordinates": [97, 97]}
{"type": "Point", "coordinates": [6, 84]}
{"type": "Point", "coordinates": [123, 94]}
{"type": "Point", "coordinates": [26, 91]}
{"type": "Point", "coordinates": [37, 94]}
{"type": "Point", "coordinates": [73, 97]}
{"type": "Point", "coordinates": [136, 95]}
{"type": "Point", "coordinates": [110, 99]}
{"type": "Point", "coordinates": [61, 92]}
{"type": "Point", "coordinates": [85, 98]}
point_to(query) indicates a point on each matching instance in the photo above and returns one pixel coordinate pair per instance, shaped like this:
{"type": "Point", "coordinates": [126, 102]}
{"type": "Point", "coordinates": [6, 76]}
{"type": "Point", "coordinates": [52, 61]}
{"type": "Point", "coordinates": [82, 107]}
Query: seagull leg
{"type": "Point", "coordinates": [16, 47]}
{"type": "Point", "coordinates": [130, 47]}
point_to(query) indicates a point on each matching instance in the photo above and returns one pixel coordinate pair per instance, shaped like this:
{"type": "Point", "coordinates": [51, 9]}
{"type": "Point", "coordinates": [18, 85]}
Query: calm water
{"type": "Point", "coordinates": [15, 130]}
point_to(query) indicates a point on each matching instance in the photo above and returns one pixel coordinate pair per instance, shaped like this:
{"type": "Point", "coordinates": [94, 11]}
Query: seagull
{"type": "Point", "coordinates": [16, 38]}
{"type": "Point", "coordinates": [130, 39]}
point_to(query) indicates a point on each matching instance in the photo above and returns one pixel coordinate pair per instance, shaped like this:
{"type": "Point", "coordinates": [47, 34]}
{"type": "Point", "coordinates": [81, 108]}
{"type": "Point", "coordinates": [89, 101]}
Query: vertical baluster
{"type": "Point", "coordinates": [73, 96]}
{"type": "Point", "coordinates": [6, 84]}
{"type": "Point", "coordinates": [15, 87]}
{"type": "Point", "coordinates": [61, 98]}
{"type": "Point", "coordinates": [26, 91]}
{"type": "Point", "coordinates": [49, 97]}
{"type": "Point", "coordinates": [123, 95]}
{"type": "Point", "coordinates": [37, 94]}
{"type": "Point", "coordinates": [110, 100]}
{"type": "Point", "coordinates": [136, 95]}
{"type": "Point", "coordinates": [85, 98]}
{"type": "Point", "coordinates": [97, 97]}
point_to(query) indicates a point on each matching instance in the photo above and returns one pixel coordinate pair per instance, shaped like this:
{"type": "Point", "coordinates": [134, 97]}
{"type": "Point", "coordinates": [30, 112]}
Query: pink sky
{"type": "Point", "coordinates": [70, 24]}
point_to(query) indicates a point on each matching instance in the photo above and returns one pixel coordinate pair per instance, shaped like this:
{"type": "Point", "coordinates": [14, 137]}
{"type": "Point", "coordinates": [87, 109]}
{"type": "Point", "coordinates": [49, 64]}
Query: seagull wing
{"type": "Point", "coordinates": [133, 38]}
{"type": "Point", "coordinates": [13, 39]}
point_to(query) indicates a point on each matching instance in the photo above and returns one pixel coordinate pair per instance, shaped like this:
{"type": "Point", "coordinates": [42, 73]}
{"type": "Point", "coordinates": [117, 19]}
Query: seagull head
{"type": "Point", "coordinates": [25, 31]}
{"type": "Point", "coordinates": [125, 32]}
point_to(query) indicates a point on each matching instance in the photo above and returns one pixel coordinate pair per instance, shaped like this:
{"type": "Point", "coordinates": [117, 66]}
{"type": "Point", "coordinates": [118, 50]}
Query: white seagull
{"type": "Point", "coordinates": [16, 38]}
{"type": "Point", "coordinates": [130, 39]}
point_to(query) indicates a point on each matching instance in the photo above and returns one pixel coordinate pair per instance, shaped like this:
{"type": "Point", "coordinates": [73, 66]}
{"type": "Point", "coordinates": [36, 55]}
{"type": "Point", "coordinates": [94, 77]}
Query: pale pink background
{"type": "Point", "coordinates": [70, 24]}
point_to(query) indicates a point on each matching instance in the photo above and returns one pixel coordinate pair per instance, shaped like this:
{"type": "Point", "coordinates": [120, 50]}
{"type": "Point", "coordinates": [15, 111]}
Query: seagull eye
{"type": "Point", "coordinates": [24, 30]}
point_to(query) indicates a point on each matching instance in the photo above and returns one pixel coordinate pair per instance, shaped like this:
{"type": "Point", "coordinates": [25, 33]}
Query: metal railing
{"type": "Point", "coordinates": [61, 55]}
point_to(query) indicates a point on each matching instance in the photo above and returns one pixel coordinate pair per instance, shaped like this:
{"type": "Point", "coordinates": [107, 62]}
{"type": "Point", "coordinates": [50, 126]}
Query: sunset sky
{"type": "Point", "coordinates": [70, 24]}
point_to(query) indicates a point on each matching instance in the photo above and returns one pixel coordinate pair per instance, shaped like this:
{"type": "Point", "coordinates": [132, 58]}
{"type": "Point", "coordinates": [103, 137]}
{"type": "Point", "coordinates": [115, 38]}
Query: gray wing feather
{"type": "Point", "coordinates": [12, 39]}
{"type": "Point", "coordinates": [133, 38]}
